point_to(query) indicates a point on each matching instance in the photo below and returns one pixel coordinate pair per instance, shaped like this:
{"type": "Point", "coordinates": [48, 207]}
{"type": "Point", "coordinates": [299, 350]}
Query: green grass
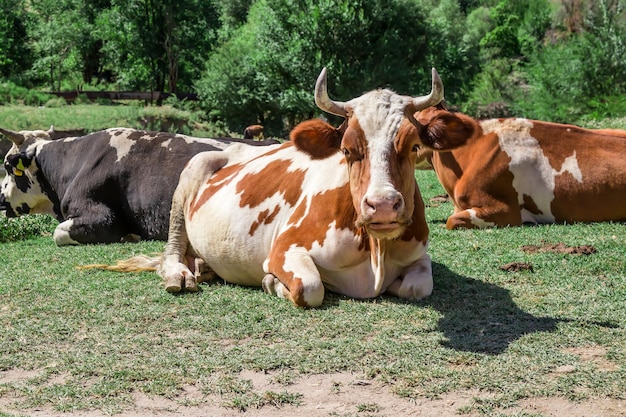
{"type": "Point", "coordinates": [92, 338]}
{"type": "Point", "coordinates": [93, 117]}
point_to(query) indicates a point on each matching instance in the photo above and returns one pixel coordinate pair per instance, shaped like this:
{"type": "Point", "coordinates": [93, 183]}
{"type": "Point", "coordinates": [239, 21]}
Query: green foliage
{"type": "Point", "coordinates": [512, 32]}
{"type": "Point", "coordinates": [257, 60]}
{"type": "Point", "coordinates": [453, 46]}
{"type": "Point", "coordinates": [15, 54]}
{"type": "Point", "coordinates": [15, 229]}
{"type": "Point", "coordinates": [579, 75]}
{"type": "Point", "coordinates": [266, 71]}
{"type": "Point", "coordinates": [163, 45]}
{"type": "Point", "coordinates": [11, 93]}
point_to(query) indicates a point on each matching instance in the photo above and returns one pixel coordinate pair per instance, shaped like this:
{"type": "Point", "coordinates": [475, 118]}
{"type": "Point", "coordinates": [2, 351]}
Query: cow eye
{"type": "Point", "coordinates": [346, 152]}
{"type": "Point", "coordinates": [415, 148]}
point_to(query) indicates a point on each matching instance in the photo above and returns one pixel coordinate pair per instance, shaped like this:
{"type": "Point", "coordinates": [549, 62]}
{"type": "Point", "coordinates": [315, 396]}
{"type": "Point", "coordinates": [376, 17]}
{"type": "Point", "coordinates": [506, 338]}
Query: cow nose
{"type": "Point", "coordinates": [383, 208]}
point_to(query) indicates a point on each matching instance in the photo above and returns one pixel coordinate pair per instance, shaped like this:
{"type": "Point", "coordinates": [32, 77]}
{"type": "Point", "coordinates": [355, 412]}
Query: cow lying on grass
{"type": "Point", "coordinates": [108, 186]}
{"type": "Point", "coordinates": [254, 132]}
{"type": "Point", "coordinates": [515, 171]}
{"type": "Point", "coordinates": [333, 208]}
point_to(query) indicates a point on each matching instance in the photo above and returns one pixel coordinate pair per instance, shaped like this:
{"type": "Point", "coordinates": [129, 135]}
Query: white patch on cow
{"type": "Point", "coordinates": [532, 173]}
{"type": "Point", "coordinates": [477, 221]}
{"type": "Point", "coordinates": [61, 234]}
{"type": "Point", "coordinates": [121, 143]}
{"type": "Point", "coordinates": [190, 140]}
{"type": "Point", "coordinates": [34, 197]}
{"type": "Point", "coordinates": [571, 165]}
{"type": "Point", "coordinates": [380, 114]}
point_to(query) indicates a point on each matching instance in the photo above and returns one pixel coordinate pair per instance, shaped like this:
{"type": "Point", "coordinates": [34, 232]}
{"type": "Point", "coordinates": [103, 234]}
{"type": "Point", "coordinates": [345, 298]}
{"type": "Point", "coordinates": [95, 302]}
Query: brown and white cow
{"type": "Point", "coordinates": [514, 171]}
{"type": "Point", "coordinates": [335, 209]}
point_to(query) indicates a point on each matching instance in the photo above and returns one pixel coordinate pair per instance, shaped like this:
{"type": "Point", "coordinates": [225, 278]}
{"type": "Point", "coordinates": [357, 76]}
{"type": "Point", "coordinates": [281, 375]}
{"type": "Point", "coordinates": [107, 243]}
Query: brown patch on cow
{"type": "Point", "coordinates": [517, 266]}
{"type": "Point", "coordinates": [418, 229]}
{"type": "Point", "coordinates": [296, 293]}
{"type": "Point", "coordinates": [274, 178]}
{"type": "Point", "coordinates": [560, 248]}
{"type": "Point", "coordinates": [316, 138]}
{"type": "Point", "coordinates": [554, 149]}
{"type": "Point", "coordinates": [305, 231]}
{"type": "Point", "coordinates": [530, 205]}
{"type": "Point", "coordinates": [264, 217]}
{"type": "Point", "coordinates": [216, 182]}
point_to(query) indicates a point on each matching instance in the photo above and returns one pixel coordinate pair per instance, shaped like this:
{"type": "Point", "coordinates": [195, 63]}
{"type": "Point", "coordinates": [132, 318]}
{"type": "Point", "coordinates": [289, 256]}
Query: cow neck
{"type": "Point", "coordinates": [46, 187]}
{"type": "Point", "coordinates": [377, 256]}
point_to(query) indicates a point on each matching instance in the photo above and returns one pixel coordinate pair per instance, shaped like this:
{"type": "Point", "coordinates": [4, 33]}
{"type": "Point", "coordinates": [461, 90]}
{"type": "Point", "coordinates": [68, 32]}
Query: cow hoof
{"type": "Point", "coordinates": [173, 285]}
{"type": "Point", "coordinates": [268, 284]}
{"type": "Point", "coordinates": [190, 284]}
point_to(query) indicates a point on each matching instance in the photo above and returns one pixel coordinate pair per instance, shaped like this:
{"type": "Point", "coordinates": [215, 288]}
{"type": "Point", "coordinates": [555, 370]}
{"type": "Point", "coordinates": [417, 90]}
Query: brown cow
{"type": "Point", "coordinates": [514, 171]}
{"type": "Point", "coordinates": [253, 132]}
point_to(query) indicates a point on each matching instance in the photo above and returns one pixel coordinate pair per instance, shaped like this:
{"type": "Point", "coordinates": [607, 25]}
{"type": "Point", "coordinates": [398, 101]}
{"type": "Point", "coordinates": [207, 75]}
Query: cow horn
{"type": "Point", "coordinates": [323, 101]}
{"type": "Point", "coordinates": [15, 137]}
{"type": "Point", "coordinates": [435, 96]}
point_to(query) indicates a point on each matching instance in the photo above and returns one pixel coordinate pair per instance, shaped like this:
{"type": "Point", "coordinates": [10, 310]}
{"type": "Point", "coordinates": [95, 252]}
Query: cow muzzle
{"type": "Point", "coordinates": [384, 217]}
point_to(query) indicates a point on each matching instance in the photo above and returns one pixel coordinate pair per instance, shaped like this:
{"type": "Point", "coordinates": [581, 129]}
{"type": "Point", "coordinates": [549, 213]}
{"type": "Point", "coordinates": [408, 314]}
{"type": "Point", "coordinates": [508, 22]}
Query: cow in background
{"type": "Point", "coordinates": [109, 186]}
{"type": "Point", "coordinates": [254, 132]}
{"type": "Point", "coordinates": [334, 208]}
{"type": "Point", "coordinates": [515, 171]}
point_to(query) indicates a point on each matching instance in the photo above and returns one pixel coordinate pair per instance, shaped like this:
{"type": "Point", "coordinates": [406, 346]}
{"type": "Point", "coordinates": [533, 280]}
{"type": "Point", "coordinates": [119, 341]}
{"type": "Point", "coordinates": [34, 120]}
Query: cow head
{"type": "Point", "coordinates": [22, 191]}
{"type": "Point", "coordinates": [380, 139]}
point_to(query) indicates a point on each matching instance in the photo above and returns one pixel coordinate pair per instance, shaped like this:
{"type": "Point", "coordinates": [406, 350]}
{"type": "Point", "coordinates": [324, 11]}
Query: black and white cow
{"type": "Point", "coordinates": [109, 186]}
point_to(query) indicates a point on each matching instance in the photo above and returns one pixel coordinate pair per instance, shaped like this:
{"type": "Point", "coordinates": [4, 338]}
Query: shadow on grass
{"type": "Point", "coordinates": [478, 316]}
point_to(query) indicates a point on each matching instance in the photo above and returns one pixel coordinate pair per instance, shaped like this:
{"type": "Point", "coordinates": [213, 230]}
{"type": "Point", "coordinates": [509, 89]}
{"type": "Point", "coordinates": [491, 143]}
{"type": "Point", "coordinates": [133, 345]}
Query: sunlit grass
{"type": "Point", "coordinates": [108, 334]}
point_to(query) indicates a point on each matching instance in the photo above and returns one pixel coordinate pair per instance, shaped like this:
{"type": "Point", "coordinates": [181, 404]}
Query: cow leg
{"type": "Point", "coordinates": [497, 215]}
{"type": "Point", "coordinates": [467, 219]}
{"type": "Point", "coordinates": [487, 211]}
{"type": "Point", "coordinates": [95, 223]}
{"type": "Point", "coordinates": [417, 281]}
{"type": "Point", "coordinates": [181, 268]}
{"type": "Point", "coordinates": [300, 282]}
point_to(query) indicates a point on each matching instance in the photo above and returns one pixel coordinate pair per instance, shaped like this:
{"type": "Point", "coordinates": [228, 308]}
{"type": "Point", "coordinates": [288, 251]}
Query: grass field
{"type": "Point", "coordinates": [90, 342]}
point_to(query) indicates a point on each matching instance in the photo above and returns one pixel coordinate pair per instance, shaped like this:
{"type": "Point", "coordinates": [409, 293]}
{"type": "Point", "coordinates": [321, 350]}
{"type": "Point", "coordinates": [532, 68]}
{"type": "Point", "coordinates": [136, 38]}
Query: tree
{"type": "Point", "coordinates": [14, 52]}
{"type": "Point", "coordinates": [580, 70]}
{"type": "Point", "coordinates": [58, 29]}
{"type": "Point", "coordinates": [269, 66]}
{"type": "Point", "coordinates": [157, 44]}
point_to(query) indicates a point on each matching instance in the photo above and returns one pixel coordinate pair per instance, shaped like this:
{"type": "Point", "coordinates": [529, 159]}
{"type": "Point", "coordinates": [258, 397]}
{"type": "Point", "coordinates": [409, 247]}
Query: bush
{"type": "Point", "coordinates": [13, 229]}
{"type": "Point", "coordinates": [581, 74]}
{"type": "Point", "coordinates": [11, 93]}
{"type": "Point", "coordinates": [56, 102]}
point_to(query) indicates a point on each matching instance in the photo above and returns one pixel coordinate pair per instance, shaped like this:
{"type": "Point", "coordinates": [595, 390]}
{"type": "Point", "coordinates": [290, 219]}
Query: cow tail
{"type": "Point", "coordinates": [139, 263]}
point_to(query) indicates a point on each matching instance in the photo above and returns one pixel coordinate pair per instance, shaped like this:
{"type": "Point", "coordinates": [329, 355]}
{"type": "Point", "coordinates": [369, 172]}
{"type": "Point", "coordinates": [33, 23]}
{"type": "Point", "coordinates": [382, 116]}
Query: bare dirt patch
{"type": "Point", "coordinates": [337, 394]}
{"type": "Point", "coordinates": [517, 266]}
{"type": "Point", "coordinates": [559, 248]}
{"type": "Point", "coordinates": [438, 199]}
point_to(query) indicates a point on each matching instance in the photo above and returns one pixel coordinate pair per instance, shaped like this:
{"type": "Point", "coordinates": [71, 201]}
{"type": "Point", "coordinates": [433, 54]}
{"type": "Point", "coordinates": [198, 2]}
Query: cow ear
{"type": "Point", "coordinates": [19, 163]}
{"type": "Point", "coordinates": [446, 131]}
{"type": "Point", "coordinates": [316, 138]}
